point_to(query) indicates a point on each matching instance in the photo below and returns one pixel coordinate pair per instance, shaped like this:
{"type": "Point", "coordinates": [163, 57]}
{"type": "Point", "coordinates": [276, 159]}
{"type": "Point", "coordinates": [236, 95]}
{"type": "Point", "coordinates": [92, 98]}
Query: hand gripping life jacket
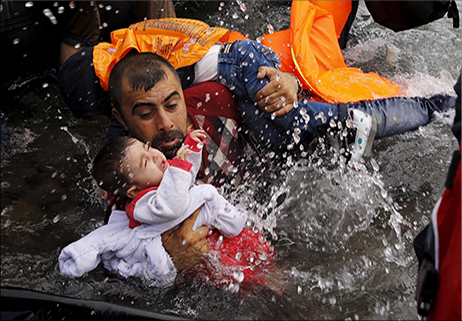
{"type": "Point", "coordinates": [310, 50]}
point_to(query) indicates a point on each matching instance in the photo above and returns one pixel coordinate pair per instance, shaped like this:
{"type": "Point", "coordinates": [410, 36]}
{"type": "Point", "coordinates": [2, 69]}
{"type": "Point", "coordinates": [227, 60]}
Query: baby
{"type": "Point", "coordinates": [162, 190]}
{"type": "Point", "coordinates": [163, 195]}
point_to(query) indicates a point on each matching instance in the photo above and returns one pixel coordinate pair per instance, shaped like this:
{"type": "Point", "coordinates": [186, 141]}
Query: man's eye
{"type": "Point", "coordinates": [171, 107]}
{"type": "Point", "coordinates": [145, 115]}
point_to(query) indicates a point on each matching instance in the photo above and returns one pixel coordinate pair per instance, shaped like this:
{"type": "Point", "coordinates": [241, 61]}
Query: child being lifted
{"type": "Point", "coordinates": [163, 195]}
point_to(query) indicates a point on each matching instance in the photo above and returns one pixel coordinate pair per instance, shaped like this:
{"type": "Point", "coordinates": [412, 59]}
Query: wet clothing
{"type": "Point", "coordinates": [168, 204]}
{"type": "Point", "coordinates": [129, 252]}
{"type": "Point", "coordinates": [150, 214]}
{"type": "Point", "coordinates": [131, 245]}
{"type": "Point", "coordinates": [447, 229]}
{"type": "Point", "coordinates": [214, 109]}
{"type": "Point", "coordinates": [238, 65]}
{"type": "Point", "coordinates": [181, 41]}
{"type": "Point", "coordinates": [136, 252]}
{"type": "Point", "coordinates": [210, 105]}
{"type": "Point", "coordinates": [438, 246]}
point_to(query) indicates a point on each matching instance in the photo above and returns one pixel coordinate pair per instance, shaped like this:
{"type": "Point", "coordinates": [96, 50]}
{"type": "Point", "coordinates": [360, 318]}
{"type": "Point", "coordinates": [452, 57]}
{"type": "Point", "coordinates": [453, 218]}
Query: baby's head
{"type": "Point", "coordinates": [128, 166]}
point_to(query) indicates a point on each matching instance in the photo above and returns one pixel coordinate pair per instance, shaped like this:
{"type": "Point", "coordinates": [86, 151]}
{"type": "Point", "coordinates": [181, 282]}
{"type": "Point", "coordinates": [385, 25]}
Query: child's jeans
{"type": "Point", "coordinates": [238, 64]}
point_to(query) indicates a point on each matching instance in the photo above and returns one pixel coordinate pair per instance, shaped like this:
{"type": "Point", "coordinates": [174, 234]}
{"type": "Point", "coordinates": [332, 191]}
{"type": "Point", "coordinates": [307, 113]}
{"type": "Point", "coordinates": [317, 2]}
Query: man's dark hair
{"type": "Point", "coordinates": [142, 70]}
{"type": "Point", "coordinates": [107, 166]}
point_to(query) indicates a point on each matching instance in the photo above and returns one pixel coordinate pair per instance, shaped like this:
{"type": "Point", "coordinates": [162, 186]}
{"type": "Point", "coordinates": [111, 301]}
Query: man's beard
{"type": "Point", "coordinates": [169, 152]}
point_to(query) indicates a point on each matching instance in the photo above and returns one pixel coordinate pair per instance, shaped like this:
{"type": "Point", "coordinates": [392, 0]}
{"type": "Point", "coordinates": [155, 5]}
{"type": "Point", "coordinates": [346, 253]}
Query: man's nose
{"type": "Point", "coordinates": [164, 123]}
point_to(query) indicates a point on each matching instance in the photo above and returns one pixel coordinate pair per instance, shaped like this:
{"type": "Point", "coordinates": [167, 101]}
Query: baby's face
{"type": "Point", "coordinates": [144, 165]}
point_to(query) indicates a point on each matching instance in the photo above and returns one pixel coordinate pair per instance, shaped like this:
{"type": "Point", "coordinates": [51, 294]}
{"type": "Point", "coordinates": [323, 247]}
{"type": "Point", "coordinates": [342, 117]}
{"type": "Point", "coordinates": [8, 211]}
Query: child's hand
{"type": "Point", "coordinates": [182, 152]}
{"type": "Point", "coordinates": [198, 135]}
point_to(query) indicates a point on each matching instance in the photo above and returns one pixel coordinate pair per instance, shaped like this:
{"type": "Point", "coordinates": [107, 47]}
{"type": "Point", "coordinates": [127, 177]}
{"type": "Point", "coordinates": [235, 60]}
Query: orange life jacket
{"type": "Point", "coordinates": [181, 41]}
{"type": "Point", "coordinates": [310, 50]}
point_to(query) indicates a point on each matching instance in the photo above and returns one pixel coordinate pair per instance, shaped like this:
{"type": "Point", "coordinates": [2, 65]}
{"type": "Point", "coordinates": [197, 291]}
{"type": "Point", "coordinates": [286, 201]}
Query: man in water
{"type": "Point", "coordinates": [151, 106]}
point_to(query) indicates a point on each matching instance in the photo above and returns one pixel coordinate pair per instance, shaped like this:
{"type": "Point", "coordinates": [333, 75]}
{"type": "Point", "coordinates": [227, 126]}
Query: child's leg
{"type": "Point", "coordinates": [400, 114]}
{"type": "Point", "coordinates": [238, 69]}
{"type": "Point", "coordinates": [302, 124]}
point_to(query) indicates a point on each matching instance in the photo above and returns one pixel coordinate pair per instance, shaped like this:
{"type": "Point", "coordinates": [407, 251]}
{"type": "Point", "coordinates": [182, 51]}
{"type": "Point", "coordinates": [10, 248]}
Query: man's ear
{"type": "Point", "coordinates": [120, 118]}
{"type": "Point", "coordinates": [132, 192]}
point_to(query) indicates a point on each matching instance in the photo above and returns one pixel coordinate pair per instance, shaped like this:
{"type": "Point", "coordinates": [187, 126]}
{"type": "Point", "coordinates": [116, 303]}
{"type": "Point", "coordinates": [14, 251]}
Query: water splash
{"type": "Point", "coordinates": [76, 141]}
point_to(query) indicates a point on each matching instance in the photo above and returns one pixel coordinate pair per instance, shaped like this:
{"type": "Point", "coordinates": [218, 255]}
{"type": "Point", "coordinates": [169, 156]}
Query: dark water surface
{"type": "Point", "coordinates": [343, 236]}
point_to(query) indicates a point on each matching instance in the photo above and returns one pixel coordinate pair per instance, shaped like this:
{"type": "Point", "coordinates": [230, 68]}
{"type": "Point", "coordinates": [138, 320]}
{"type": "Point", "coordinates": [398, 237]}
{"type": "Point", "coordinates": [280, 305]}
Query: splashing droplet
{"type": "Point", "coordinates": [238, 276]}
{"type": "Point", "coordinates": [332, 300]}
{"type": "Point", "coordinates": [50, 15]}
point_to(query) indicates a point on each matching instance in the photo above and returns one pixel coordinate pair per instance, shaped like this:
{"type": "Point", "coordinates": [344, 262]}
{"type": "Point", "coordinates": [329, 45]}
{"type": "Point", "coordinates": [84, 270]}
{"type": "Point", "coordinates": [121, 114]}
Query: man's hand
{"type": "Point", "coordinates": [279, 95]}
{"type": "Point", "coordinates": [186, 247]}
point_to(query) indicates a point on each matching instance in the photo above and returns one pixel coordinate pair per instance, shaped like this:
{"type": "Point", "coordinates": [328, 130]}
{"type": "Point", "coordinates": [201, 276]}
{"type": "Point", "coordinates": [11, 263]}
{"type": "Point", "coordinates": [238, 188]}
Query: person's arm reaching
{"type": "Point", "coordinates": [279, 94]}
{"type": "Point", "coordinates": [185, 246]}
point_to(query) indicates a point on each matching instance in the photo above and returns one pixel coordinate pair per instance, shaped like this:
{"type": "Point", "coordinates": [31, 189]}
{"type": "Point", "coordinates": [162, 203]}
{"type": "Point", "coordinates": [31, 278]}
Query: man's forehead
{"type": "Point", "coordinates": [161, 89]}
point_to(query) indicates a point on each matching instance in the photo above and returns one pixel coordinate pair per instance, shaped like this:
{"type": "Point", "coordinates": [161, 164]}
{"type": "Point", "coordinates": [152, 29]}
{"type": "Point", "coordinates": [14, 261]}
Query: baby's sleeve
{"type": "Point", "coordinates": [159, 269]}
{"type": "Point", "coordinates": [217, 212]}
{"type": "Point", "coordinates": [196, 154]}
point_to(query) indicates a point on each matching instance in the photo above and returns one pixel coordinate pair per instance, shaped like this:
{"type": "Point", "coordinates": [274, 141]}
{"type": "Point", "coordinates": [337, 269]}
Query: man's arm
{"type": "Point", "coordinates": [279, 95]}
{"type": "Point", "coordinates": [185, 246]}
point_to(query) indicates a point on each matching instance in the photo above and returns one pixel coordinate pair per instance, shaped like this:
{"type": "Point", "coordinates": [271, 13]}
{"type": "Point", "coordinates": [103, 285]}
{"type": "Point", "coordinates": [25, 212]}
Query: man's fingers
{"type": "Point", "coordinates": [273, 86]}
{"type": "Point", "coordinates": [202, 245]}
{"type": "Point", "coordinates": [279, 109]}
{"type": "Point", "coordinates": [265, 71]}
{"type": "Point", "coordinates": [283, 110]}
{"type": "Point", "coordinates": [276, 103]}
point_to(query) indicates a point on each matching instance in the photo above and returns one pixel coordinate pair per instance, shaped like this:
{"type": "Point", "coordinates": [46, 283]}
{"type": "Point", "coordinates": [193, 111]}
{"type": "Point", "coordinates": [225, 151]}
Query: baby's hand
{"type": "Point", "coordinates": [182, 152]}
{"type": "Point", "coordinates": [197, 135]}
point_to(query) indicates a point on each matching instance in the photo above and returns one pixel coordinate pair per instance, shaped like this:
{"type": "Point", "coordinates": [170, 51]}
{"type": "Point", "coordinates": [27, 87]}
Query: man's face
{"type": "Point", "coordinates": [158, 116]}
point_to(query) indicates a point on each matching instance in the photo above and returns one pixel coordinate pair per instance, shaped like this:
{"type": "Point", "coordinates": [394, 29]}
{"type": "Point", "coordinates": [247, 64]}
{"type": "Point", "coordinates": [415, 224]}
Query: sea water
{"type": "Point", "coordinates": [343, 236]}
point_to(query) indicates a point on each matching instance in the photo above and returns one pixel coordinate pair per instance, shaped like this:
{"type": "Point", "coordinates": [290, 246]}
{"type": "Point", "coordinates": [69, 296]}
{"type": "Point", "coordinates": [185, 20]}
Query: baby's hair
{"type": "Point", "coordinates": [107, 166]}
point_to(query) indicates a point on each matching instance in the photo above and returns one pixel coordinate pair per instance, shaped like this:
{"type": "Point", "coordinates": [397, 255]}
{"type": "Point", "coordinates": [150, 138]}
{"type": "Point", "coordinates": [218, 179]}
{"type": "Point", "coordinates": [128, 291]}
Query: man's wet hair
{"type": "Point", "coordinates": [142, 70]}
{"type": "Point", "coordinates": [107, 166]}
